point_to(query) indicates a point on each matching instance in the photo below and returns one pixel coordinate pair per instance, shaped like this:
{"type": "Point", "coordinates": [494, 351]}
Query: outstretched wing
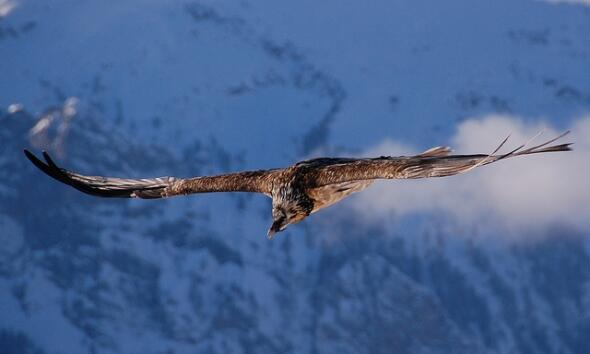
{"type": "Point", "coordinates": [432, 163]}
{"type": "Point", "coordinates": [161, 187]}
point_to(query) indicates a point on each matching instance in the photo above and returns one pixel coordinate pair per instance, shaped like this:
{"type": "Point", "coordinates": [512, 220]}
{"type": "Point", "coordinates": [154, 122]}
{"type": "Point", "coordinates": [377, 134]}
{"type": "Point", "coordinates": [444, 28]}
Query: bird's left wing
{"type": "Point", "coordinates": [160, 187]}
{"type": "Point", "coordinates": [432, 163]}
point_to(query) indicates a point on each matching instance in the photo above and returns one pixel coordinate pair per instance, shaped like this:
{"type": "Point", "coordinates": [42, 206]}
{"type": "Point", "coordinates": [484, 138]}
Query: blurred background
{"type": "Point", "coordinates": [493, 261]}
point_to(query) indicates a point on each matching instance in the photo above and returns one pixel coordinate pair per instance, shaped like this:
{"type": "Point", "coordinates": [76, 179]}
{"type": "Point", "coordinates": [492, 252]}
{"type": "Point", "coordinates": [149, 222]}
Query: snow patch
{"type": "Point", "coordinates": [6, 7]}
{"type": "Point", "coordinates": [14, 108]}
{"type": "Point", "coordinates": [569, 2]}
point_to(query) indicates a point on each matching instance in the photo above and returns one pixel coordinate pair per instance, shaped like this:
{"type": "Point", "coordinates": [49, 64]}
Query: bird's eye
{"type": "Point", "coordinates": [280, 215]}
{"type": "Point", "coordinates": [283, 216]}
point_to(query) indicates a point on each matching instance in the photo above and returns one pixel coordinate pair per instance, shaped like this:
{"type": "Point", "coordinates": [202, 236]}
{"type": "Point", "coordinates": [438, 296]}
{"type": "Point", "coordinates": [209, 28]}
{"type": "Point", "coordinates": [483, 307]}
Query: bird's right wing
{"type": "Point", "coordinates": [435, 162]}
{"type": "Point", "coordinates": [161, 187]}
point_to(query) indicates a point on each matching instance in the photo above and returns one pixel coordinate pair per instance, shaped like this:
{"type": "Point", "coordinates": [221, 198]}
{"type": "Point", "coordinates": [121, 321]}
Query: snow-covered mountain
{"type": "Point", "coordinates": [150, 88]}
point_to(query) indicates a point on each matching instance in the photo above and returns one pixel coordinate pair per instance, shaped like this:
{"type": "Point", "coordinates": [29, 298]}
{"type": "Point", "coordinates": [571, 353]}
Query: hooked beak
{"type": "Point", "coordinates": [274, 228]}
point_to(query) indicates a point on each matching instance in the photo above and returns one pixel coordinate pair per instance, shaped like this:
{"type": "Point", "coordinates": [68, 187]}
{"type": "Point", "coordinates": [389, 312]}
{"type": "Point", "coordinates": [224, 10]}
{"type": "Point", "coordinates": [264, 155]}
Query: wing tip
{"type": "Point", "coordinates": [30, 156]}
{"type": "Point", "coordinates": [50, 168]}
{"type": "Point", "coordinates": [36, 161]}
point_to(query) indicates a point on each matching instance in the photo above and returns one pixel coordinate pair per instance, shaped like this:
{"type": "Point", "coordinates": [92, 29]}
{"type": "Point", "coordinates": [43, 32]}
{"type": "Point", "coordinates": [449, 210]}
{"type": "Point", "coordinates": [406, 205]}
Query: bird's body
{"type": "Point", "coordinates": [297, 190]}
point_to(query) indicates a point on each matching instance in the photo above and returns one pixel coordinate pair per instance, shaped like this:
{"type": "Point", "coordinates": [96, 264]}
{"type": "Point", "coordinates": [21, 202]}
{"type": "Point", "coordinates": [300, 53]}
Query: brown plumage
{"type": "Point", "coordinates": [298, 190]}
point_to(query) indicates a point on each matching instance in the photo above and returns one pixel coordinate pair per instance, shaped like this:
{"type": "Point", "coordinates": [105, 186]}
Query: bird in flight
{"type": "Point", "coordinates": [297, 190]}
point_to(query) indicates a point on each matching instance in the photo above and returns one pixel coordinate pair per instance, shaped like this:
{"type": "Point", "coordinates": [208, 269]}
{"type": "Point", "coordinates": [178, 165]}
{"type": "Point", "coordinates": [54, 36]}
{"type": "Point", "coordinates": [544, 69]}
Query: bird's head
{"type": "Point", "coordinates": [283, 216]}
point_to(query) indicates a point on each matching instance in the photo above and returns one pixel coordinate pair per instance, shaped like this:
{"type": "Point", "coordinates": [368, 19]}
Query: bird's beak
{"type": "Point", "coordinates": [270, 234]}
{"type": "Point", "coordinates": [274, 228]}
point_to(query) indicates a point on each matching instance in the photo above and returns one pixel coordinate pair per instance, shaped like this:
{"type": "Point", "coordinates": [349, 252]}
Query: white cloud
{"type": "Point", "coordinates": [524, 193]}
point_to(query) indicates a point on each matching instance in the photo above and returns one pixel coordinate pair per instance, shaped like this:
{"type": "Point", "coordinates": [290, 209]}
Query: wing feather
{"type": "Point", "coordinates": [160, 187]}
{"type": "Point", "coordinates": [437, 151]}
{"type": "Point", "coordinates": [432, 163]}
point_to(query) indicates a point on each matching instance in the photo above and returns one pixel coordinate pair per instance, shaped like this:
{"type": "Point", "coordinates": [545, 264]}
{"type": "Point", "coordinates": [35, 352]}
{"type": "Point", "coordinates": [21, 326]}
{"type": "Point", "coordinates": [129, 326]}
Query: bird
{"type": "Point", "coordinates": [300, 189]}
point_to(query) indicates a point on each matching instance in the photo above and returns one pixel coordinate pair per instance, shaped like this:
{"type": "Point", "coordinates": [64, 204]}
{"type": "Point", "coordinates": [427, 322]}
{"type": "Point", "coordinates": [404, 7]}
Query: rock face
{"type": "Point", "coordinates": [194, 88]}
